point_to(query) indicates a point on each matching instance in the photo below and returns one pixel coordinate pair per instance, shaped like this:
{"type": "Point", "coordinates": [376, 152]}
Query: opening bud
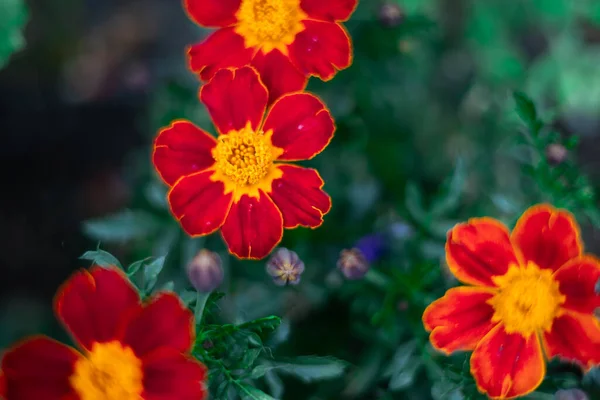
{"type": "Point", "coordinates": [353, 264]}
{"type": "Point", "coordinates": [285, 267]}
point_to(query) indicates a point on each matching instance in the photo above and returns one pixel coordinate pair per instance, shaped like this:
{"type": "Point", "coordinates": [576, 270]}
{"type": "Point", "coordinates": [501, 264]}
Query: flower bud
{"type": "Point", "coordinates": [353, 264]}
{"type": "Point", "coordinates": [285, 267]}
{"type": "Point", "coordinates": [390, 14]}
{"type": "Point", "coordinates": [556, 154]}
{"type": "Point", "coordinates": [205, 271]}
{"type": "Point", "coordinates": [570, 394]}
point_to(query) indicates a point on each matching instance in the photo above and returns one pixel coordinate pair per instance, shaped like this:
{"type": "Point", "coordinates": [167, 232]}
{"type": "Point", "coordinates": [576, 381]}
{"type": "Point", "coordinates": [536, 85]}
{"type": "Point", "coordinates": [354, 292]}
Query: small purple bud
{"type": "Point", "coordinates": [353, 264]}
{"type": "Point", "coordinates": [390, 14]}
{"type": "Point", "coordinates": [556, 154]}
{"type": "Point", "coordinates": [570, 394]}
{"type": "Point", "coordinates": [205, 271]}
{"type": "Point", "coordinates": [285, 267]}
{"type": "Point", "coordinates": [373, 247]}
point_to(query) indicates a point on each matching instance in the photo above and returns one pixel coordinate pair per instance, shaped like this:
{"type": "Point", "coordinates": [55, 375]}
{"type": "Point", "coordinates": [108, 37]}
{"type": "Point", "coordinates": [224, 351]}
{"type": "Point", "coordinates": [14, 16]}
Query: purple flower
{"type": "Point", "coordinates": [373, 246]}
{"type": "Point", "coordinates": [353, 264]}
{"type": "Point", "coordinates": [205, 271]}
{"type": "Point", "coordinates": [285, 267]}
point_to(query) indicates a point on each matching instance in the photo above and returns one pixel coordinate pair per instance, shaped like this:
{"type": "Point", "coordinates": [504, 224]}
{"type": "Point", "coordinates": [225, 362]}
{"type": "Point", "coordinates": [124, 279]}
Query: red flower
{"type": "Point", "coordinates": [532, 294]}
{"type": "Point", "coordinates": [129, 350]}
{"type": "Point", "coordinates": [285, 40]}
{"type": "Point", "coordinates": [236, 182]}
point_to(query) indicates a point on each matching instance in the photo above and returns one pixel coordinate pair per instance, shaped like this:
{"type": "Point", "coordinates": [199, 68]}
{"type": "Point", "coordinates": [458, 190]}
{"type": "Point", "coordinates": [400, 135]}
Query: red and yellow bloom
{"type": "Point", "coordinates": [129, 350]}
{"type": "Point", "coordinates": [532, 294]}
{"type": "Point", "coordinates": [285, 40]}
{"type": "Point", "coordinates": [240, 182]}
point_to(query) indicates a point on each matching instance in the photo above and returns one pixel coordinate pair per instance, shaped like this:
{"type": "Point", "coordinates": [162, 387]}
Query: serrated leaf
{"type": "Point", "coordinates": [151, 272]}
{"type": "Point", "coordinates": [13, 16]}
{"type": "Point", "coordinates": [101, 258]}
{"type": "Point", "coordinates": [262, 325]}
{"type": "Point", "coordinates": [250, 357]}
{"type": "Point", "coordinates": [248, 392]}
{"type": "Point", "coordinates": [122, 227]}
{"type": "Point", "coordinates": [307, 369]}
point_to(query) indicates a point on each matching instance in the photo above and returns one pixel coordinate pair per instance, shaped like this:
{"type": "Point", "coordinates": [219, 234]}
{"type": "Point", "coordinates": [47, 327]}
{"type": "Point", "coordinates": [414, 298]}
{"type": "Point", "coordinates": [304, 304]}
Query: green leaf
{"type": "Point", "coordinates": [525, 109]}
{"type": "Point", "coordinates": [275, 384]}
{"type": "Point", "coordinates": [135, 267]}
{"type": "Point", "coordinates": [101, 258]}
{"type": "Point", "coordinates": [251, 393]}
{"type": "Point", "coordinates": [307, 369]}
{"type": "Point", "coordinates": [13, 16]}
{"type": "Point", "coordinates": [262, 325]}
{"type": "Point", "coordinates": [447, 202]}
{"type": "Point", "coordinates": [151, 272]}
{"type": "Point", "coordinates": [122, 227]}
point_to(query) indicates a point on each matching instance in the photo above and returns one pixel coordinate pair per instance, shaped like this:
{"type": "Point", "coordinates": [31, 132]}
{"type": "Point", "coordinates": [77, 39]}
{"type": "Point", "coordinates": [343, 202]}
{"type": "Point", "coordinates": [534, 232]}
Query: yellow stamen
{"type": "Point", "coordinates": [270, 24]}
{"type": "Point", "coordinates": [108, 372]}
{"type": "Point", "coordinates": [528, 300]}
{"type": "Point", "coordinates": [245, 157]}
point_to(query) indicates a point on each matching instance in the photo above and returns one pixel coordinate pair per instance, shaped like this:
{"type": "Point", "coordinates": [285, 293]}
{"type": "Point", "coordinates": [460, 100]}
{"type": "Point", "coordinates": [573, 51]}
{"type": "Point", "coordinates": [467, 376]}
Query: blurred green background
{"type": "Point", "coordinates": [428, 135]}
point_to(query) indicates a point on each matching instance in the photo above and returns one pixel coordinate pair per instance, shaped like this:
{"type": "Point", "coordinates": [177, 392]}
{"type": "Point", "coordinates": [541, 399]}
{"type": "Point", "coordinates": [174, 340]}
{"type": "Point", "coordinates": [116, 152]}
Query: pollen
{"type": "Point", "coordinates": [528, 300]}
{"type": "Point", "coordinates": [245, 157]}
{"type": "Point", "coordinates": [108, 372]}
{"type": "Point", "coordinates": [269, 24]}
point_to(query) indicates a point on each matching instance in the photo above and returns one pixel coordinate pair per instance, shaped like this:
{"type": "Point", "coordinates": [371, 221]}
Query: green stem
{"type": "Point", "coordinates": [376, 278]}
{"type": "Point", "coordinates": [200, 304]}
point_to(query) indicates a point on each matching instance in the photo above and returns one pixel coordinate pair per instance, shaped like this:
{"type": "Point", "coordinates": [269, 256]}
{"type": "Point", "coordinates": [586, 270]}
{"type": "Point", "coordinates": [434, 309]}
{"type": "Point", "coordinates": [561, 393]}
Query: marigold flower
{"type": "Point", "coordinates": [240, 182]}
{"type": "Point", "coordinates": [531, 294]}
{"type": "Point", "coordinates": [129, 350]}
{"type": "Point", "coordinates": [285, 40]}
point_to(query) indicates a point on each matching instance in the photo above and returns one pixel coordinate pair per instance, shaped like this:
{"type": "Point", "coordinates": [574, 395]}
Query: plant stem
{"type": "Point", "coordinates": [200, 304]}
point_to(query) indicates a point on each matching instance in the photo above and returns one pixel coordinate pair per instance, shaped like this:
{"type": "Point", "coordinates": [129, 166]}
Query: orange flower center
{"type": "Point", "coordinates": [528, 299]}
{"type": "Point", "coordinates": [108, 372]}
{"type": "Point", "coordinates": [245, 157]}
{"type": "Point", "coordinates": [269, 24]}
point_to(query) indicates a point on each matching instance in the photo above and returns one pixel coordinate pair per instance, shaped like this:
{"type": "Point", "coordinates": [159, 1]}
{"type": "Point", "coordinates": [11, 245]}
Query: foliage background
{"type": "Point", "coordinates": [429, 134]}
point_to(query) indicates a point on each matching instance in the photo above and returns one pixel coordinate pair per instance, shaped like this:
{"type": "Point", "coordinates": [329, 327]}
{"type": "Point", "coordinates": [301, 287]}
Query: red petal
{"type": "Point", "coordinates": [478, 250]}
{"type": "Point", "coordinates": [164, 322]}
{"type": "Point", "coordinates": [547, 236]}
{"type": "Point", "coordinates": [460, 319]}
{"type": "Point", "coordinates": [39, 368]}
{"type": "Point", "coordinates": [213, 13]}
{"type": "Point", "coordinates": [331, 10]}
{"type": "Point", "coordinates": [254, 227]}
{"type": "Point", "coordinates": [222, 49]}
{"type": "Point", "coordinates": [302, 126]}
{"type": "Point", "coordinates": [235, 97]}
{"type": "Point", "coordinates": [182, 149]}
{"type": "Point", "coordinates": [321, 49]}
{"type": "Point", "coordinates": [577, 280]}
{"type": "Point", "coordinates": [94, 305]}
{"type": "Point", "coordinates": [278, 74]}
{"type": "Point", "coordinates": [199, 204]}
{"type": "Point", "coordinates": [169, 375]}
{"type": "Point", "coordinates": [574, 337]}
{"type": "Point", "coordinates": [508, 365]}
{"type": "Point", "coordinates": [299, 197]}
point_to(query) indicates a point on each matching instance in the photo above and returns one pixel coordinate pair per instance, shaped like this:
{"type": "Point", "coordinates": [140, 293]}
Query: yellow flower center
{"type": "Point", "coordinates": [108, 372]}
{"type": "Point", "coordinates": [245, 157]}
{"type": "Point", "coordinates": [528, 300]}
{"type": "Point", "coordinates": [270, 24]}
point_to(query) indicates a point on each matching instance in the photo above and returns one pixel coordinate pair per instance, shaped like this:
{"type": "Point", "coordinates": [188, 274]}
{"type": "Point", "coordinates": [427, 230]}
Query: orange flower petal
{"type": "Point", "coordinates": [182, 149]}
{"type": "Point", "coordinates": [212, 13]}
{"type": "Point", "coordinates": [164, 322]}
{"type": "Point", "coordinates": [331, 10]}
{"type": "Point", "coordinates": [39, 368]}
{"type": "Point", "coordinates": [299, 197]}
{"type": "Point", "coordinates": [460, 319]}
{"type": "Point", "coordinates": [253, 227]}
{"type": "Point", "coordinates": [577, 281]}
{"type": "Point", "coordinates": [507, 365]}
{"type": "Point", "coordinates": [235, 97]}
{"type": "Point", "coordinates": [168, 374]}
{"type": "Point", "coordinates": [94, 305]}
{"type": "Point", "coordinates": [547, 236]}
{"type": "Point", "coordinates": [302, 126]}
{"type": "Point", "coordinates": [222, 49]}
{"type": "Point", "coordinates": [479, 249]}
{"type": "Point", "coordinates": [574, 337]}
{"type": "Point", "coordinates": [278, 74]}
{"type": "Point", "coordinates": [199, 204]}
{"type": "Point", "coordinates": [321, 49]}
